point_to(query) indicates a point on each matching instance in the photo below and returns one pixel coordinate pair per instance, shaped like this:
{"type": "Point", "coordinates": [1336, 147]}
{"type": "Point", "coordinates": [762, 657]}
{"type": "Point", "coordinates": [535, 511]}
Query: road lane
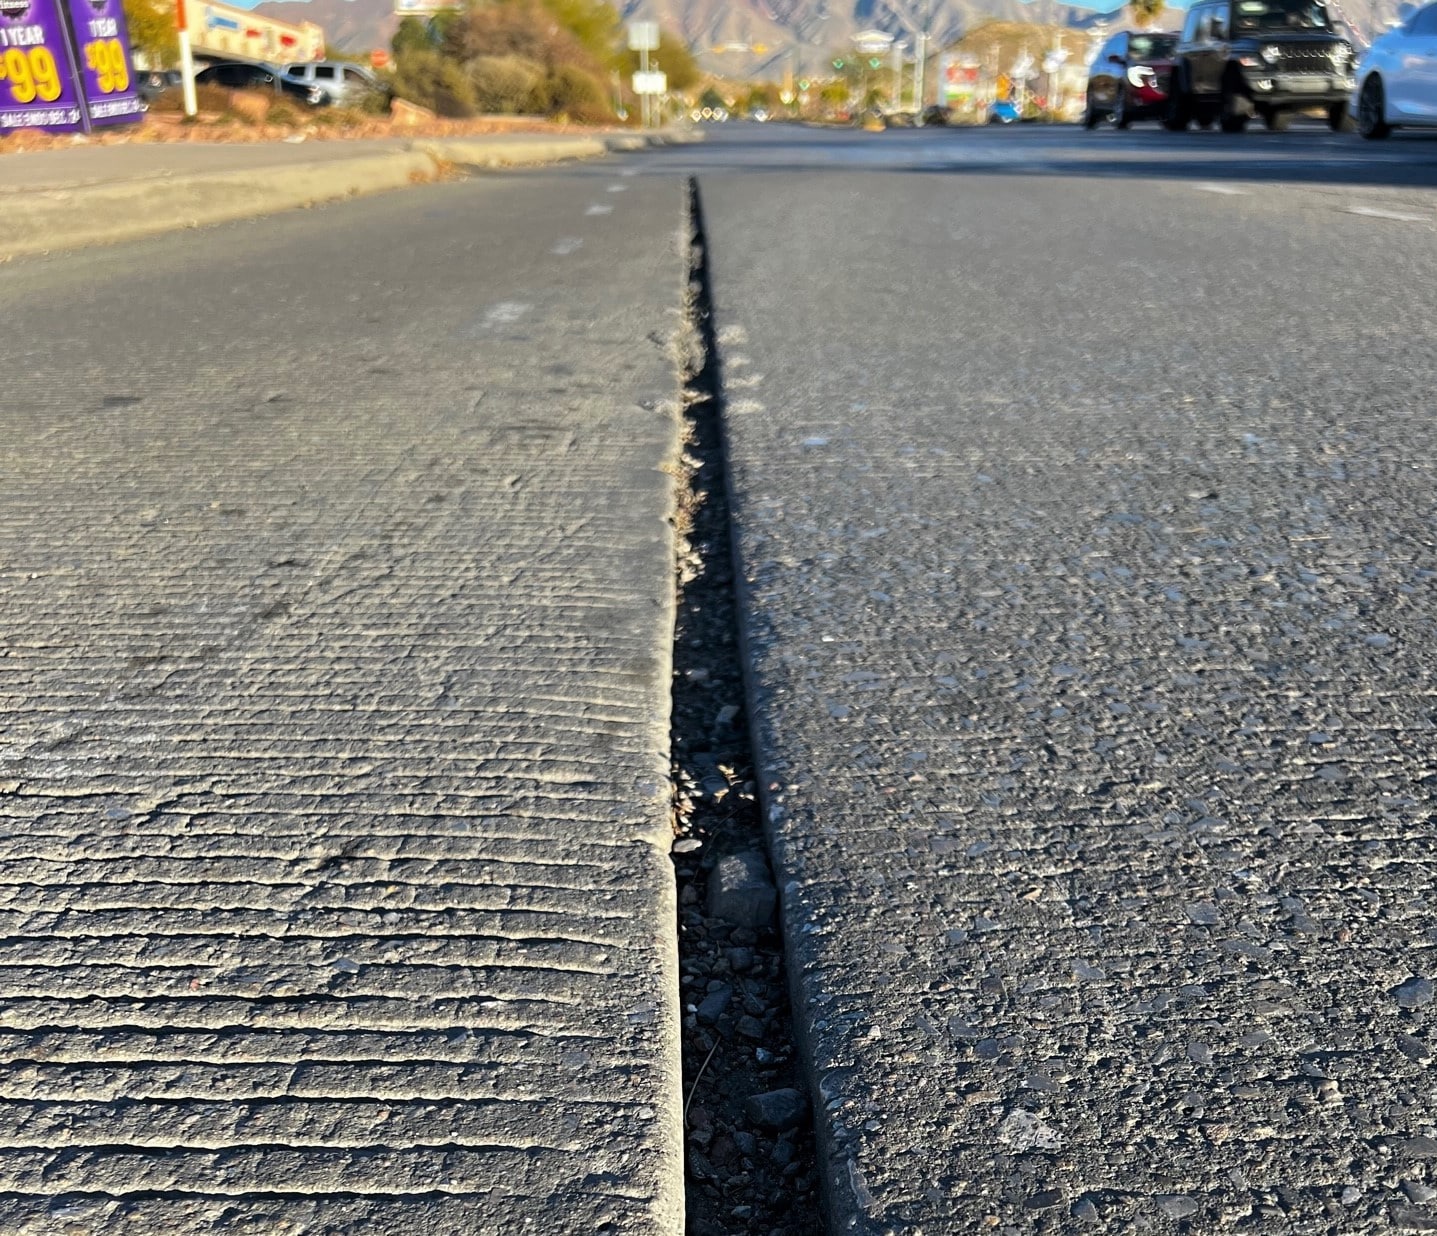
{"type": "Point", "coordinates": [1087, 530]}
{"type": "Point", "coordinates": [335, 568]}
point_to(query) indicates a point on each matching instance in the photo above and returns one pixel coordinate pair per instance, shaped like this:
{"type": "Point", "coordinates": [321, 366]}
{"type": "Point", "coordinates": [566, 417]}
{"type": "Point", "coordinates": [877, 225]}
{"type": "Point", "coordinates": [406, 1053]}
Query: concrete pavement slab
{"type": "Point", "coordinates": [62, 199]}
{"type": "Point", "coordinates": [336, 568]}
{"type": "Point", "coordinates": [1089, 599]}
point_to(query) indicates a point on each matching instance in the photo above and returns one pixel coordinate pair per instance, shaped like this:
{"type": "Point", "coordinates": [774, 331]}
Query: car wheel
{"type": "Point", "coordinates": [1233, 111]}
{"type": "Point", "coordinates": [1277, 120]}
{"type": "Point", "coordinates": [1090, 116]}
{"type": "Point", "coordinates": [1121, 119]}
{"type": "Point", "coordinates": [1177, 114]}
{"type": "Point", "coordinates": [1371, 117]}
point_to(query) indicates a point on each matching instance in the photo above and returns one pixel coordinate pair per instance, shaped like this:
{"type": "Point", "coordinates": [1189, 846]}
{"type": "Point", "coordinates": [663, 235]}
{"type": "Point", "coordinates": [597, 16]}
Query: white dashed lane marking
{"type": "Point", "coordinates": [1373, 212]}
{"type": "Point", "coordinates": [1225, 190]}
{"type": "Point", "coordinates": [566, 246]}
{"type": "Point", "coordinates": [597, 209]}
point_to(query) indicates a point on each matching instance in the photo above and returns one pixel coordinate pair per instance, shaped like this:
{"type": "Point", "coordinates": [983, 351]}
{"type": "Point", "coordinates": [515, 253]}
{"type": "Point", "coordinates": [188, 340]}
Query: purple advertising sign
{"type": "Point", "coordinates": [102, 52]}
{"type": "Point", "coordinates": [37, 78]}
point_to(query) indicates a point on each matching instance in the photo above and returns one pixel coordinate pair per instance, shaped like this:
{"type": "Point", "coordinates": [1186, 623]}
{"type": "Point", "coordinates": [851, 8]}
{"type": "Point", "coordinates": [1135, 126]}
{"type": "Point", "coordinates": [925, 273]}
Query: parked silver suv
{"type": "Point", "coordinates": [342, 84]}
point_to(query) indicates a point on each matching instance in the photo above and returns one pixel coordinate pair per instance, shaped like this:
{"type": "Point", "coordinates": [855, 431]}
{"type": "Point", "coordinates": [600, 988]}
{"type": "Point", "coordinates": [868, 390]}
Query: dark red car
{"type": "Point", "coordinates": [1129, 79]}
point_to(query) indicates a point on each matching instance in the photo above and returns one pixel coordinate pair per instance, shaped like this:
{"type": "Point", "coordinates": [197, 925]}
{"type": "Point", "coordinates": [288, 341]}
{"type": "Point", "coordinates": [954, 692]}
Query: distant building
{"type": "Point", "coordinates": [219, 32]}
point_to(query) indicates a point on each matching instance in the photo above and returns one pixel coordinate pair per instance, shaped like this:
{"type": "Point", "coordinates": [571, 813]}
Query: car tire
{"type": "Point", "coordinates": [1090, 117]}
{"type": "Point", "coordinates": [1371, 109]}
{"type": "Point", "coordinates": [1178, 113]}
{"type": "Point", "coordinates": [1121, 119]}
{"type": "Point", "coordinates": [1234, 111]}
{"type": "Point", "coordinates": [1277, 120]}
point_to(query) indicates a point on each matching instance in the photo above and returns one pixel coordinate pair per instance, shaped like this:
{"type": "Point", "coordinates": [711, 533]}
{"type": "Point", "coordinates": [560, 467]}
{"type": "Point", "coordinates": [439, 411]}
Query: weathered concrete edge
{"type": "Point", "coordinates": [50, 220]}
{"type": "Point", "coordinates": [842, 1209]}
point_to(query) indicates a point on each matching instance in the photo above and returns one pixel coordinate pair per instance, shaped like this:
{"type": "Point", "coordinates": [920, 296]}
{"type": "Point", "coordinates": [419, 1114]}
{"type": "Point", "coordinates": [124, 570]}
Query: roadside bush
{"type": "Point", "coordinates": [507, 85]}
{"type": "Point", "coordinates": [338, 117]}
{"type": "Point", "coordinates": [213, 99]}
{"type": "Point", "coordinates": [521, 28]}
{"type": "Point", "coordinates": [436, 82]}
{"type": "Point", "coordinates": [283, 113]}
{"type": "Point", "coordinates": [577, 95]}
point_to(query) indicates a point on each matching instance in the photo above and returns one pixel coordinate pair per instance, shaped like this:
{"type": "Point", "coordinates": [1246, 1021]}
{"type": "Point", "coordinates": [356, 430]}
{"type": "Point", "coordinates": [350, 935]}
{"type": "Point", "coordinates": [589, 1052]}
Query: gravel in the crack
{"type": "Point", "coordinates": [751, 1168]}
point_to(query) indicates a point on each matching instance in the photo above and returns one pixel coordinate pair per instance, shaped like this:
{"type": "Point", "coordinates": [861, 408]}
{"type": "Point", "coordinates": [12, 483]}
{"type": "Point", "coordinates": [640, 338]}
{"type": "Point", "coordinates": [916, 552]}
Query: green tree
{"type": "Point", "coordinates": [761, 95]}
{"type": "Point", "coordinates": [1146, 12]}
{"type": "Point", "coordinates": [152, 31]}
{"type": "Point", "coordinates": [593, 23]}
{"type": "Point", "coordinates": [412, 35]}
{"type": "Point", "coordinates": [673, 56]}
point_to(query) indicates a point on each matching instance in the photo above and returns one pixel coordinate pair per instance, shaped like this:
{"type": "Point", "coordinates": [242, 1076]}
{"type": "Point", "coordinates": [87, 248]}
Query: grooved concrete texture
{"type": "Point", "coordinates": [1088, 529]}
{"type": "Point", "coordinates": [336, 577]}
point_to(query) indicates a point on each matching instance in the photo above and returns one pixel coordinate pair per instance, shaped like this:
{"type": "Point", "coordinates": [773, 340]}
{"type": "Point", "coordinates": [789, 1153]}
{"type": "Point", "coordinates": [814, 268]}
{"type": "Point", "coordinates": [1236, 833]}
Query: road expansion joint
{"type": "Point", "coordinates": [749, 1144]}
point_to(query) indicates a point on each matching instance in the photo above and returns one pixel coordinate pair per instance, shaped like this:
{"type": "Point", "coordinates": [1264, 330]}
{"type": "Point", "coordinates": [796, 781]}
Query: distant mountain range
{"type": "Point", "coordinates": [761, 38]}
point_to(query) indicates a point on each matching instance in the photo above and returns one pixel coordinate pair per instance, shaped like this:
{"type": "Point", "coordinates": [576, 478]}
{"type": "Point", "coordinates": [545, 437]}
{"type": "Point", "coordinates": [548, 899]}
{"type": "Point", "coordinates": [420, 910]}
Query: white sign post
{"type": "Point", "coordinates": [644, 38]}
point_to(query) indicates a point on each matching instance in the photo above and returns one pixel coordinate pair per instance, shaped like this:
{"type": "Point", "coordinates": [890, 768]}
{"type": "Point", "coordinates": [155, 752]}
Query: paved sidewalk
{"type": "Point", "coordinates": [334, 880]}
{"type": "Point", "coordinates": [86, 195]}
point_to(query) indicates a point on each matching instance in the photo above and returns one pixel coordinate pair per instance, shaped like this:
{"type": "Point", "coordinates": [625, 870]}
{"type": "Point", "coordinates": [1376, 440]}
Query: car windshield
{"type": "Point", "coordinates": [1280, 15]}
{"type": "Point", "coordinates": [1151, 46]}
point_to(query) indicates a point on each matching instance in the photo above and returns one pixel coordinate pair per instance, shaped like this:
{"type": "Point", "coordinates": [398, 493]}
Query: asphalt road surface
{"type": "Point", "coordinates": [1083, 492]}
{"type": "Point", "coordinates": [1084, 488]}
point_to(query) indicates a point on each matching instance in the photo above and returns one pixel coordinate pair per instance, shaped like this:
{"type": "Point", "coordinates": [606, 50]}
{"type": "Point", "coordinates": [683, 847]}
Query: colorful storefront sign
{"type": "Point", "coordinates": [110, 94]}
{"type": "Point", "coordinates": [45, 84]}
{"type": "Point", "coordinates": [37, 72]}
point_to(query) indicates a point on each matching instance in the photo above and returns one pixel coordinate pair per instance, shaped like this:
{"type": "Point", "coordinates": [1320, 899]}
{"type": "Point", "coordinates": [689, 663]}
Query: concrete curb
{"type": "Point", "coordinates": [48, 220]}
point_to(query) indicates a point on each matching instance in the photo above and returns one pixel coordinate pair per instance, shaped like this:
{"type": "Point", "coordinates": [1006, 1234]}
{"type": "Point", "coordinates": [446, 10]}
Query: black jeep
{"type": "Point", "coordinates": [1270, 58]}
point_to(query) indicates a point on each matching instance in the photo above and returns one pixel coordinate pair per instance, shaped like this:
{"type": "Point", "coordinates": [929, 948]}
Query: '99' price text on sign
{"type": "Point", "coordinates": [27, 75]}
{"type": "Point", "coordinates": [106, 59]}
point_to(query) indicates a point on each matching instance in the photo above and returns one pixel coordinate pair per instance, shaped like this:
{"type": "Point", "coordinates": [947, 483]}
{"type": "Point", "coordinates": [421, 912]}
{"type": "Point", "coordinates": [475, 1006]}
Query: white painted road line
{"type": "Point", "coordinates": [1225, 190]}
{"type": "Point", "coordinates": [1372, 212]}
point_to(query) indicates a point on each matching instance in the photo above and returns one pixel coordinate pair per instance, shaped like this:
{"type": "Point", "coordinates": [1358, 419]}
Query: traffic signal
{"type": "Point", "coordinates": [874, 63]}
{"type": "Point", "coordinates": [838, 64]}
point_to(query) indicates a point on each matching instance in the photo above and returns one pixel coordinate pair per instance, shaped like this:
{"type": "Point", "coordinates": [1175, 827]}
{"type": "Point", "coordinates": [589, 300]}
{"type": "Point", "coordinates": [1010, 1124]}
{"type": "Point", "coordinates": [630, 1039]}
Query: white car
{"type": "Point", "coordinates": [1397, 78]}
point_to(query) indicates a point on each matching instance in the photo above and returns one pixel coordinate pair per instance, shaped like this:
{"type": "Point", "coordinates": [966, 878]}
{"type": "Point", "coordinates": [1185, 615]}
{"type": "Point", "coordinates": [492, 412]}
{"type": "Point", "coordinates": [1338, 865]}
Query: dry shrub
{"type": "Point", "coordinates": [286, 114]}
{"type": "Point", "coordinates": [507, 85]}
{"type": "Point", "coordinates": [524, 29]}
{"type": "Point", "coordinates": [208, 99]}
{"type": "Point", "coordinates": [436, 82]}
{"type": "Point", "coordinates": [578, 95]}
